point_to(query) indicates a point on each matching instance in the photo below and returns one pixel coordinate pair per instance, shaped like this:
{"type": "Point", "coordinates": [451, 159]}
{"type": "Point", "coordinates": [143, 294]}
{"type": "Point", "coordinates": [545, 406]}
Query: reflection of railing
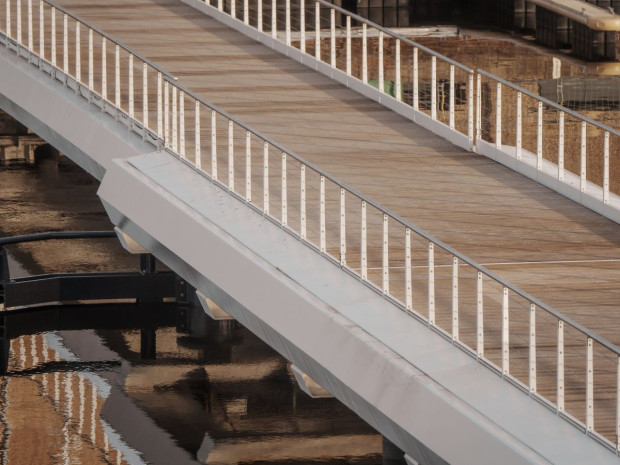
{"type": "Point", "coordinates": [522, 339]}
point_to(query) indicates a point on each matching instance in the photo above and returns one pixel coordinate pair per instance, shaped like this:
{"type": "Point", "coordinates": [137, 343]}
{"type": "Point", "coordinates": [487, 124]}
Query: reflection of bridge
{"type": "Point", "coordinates": [317, 269]}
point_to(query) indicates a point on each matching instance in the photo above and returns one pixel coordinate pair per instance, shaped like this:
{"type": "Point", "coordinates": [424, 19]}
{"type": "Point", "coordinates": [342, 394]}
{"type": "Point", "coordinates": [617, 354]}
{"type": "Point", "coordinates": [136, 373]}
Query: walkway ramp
{"type": "Point", "coordinates": [538, 239]}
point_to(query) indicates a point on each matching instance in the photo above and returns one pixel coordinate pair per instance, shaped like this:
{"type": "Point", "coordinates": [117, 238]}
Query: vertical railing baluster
{"type": "Point", "coordinates": [451, 97]}
{"type": "Point", "coordinates": [364, 243]}
{"type": "Point", "coordinates": [397, 71]}
{"type": "Point", "coordinates": [248, 166]}
{"type": "Point", "coordinates": [606, 168]}
{"type": "Point", "coordinates": [30, 32]}
{"type": "Point", "coordinates": [416, 85]}
{"type": "Point", "coordinates": [145, 96]}
{"type": "Point", "coordinates": [181, 123]}
{"type": "Point", "coordinates": [302, 26]}
{"type": "Point", "coordinates": [231, 157]}
{"type": "Point", "coordinates": [332, 37]}
{"type": "Point", "coordinates": [479, 317]}
{"type": "Point", "coordinates": [8, 20]}
{"type": "Point", "coordinates": [348, 46]}
{"type": "Point", "coordinates": [322, 239]}
{"type": "Point", "coordinates": [519, 123]}
{"type": "Point", "coordinates": [259, 15]}
{"type": "Point", "coordinates": [18, 20]}
{"type": "Point", "coordinates": [532, 351]}
{"type": "Point", "coordinates": [284, 192]}
{"type": "Point", "coordinates": [166, 114]}
{"type": "Point", "coordinates": [364, 53]}
{"type": "Point", "coordinates": [197, 138]}
{"type": "Point", "coordinates": [104, 74]}
{"type": "Point", "coordinates": [274, 19]}
{"type": "Point", "coordinates": [53, 34]}
{"type": "Point", "coordinates": [220, 5]}
{"type": "Point", "coordinates": [505, 332]}
{"type": "Point", "coordinates": [561, 148]}
{"type": "Point", "coordinates": [65, 44]}
{"type": "Point", "coordinates": [380, 60]}
{"type": "Point", "coordinates": [317, 31]}
{"type": "Point", "coordinates": [90, 61]}
{"type": "Point", "coordinates": [246, 12]}
{"type": "Point", "coordinates": [590, 386]}
{"type": "Point", "coordinates": [498, 118]}
{"type": "Point", "coordinates": [582, 163]}
{"type": "Point", "coordinates": [302, 202]}
{"type": "Point", "coordinates": [41, 30]}
{"type": "Point", "coordinates": [434, 87]}
{"type": "Point", "coordinates": [539, 138]}
{"type": "Point", "coordinates": [385, 257]}
{"type": "Point", "coordinates": [265, 178]}
{"type": "Point", "coordinates": [160, 103]}
{"type": "Point", "coordinates": [455, 299]}
{"type": "Point", "coordinates": [408, 288]}
{"type": "Point", "coordinates": [287, 20]}
{"type": "Point", "coordinates": [560, 367]}
{"type": "Point", "coordinates": [470, 110]}
{"type": "Point", "coordinates": [130, 85]}
{"type": "Point", "coordinates": [78, 57]}
{"type": "Point", "coordinates": [214, 145]}
{"type": "Point", "coordinates": [117, 76]}
{"type": "Point", "coordinates": [478, 107]}
{"type": "Point", "coordinates": [431, 284]}
{"type": "Point", "coordinates": [343, 230]}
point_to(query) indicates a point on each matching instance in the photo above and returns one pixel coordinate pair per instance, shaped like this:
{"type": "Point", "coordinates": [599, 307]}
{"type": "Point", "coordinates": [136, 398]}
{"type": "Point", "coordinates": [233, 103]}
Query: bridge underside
{"type": "Point", "coordinates": [416, 388]}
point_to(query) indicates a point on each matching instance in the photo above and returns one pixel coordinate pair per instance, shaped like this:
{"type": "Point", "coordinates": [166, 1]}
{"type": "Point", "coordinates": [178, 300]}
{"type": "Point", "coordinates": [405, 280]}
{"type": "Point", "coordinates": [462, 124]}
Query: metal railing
{"type": "Point", "coordinates": [519, 337]}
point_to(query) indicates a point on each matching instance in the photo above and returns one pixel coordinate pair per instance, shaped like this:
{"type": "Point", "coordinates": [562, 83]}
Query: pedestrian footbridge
{"type": "Point", "coordinates": [434, 246]}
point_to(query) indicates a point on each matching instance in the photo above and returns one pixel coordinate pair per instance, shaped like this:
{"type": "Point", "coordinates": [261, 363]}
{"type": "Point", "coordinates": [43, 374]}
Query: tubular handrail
{"type": "Point", "coordinates": [550, 103]}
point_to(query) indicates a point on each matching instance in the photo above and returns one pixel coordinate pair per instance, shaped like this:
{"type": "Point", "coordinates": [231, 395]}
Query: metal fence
{"type": "Point", "coordinates": [523, 340]}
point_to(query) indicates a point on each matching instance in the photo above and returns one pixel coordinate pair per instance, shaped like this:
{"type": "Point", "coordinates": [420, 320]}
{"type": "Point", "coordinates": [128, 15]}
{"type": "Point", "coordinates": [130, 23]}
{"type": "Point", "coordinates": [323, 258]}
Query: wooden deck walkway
{"type": "Point", "coordinates": [562, 253]}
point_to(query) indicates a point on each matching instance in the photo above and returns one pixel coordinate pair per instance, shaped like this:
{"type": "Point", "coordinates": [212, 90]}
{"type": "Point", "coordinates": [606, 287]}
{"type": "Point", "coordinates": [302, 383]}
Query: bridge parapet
{"type": "Point", "coordinates": [503, 328]}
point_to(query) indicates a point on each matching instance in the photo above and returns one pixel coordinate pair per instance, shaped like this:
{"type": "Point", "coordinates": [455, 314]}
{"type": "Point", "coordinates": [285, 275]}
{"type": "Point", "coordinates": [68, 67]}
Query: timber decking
{"type": "Point", "coordinates": [562, 253]}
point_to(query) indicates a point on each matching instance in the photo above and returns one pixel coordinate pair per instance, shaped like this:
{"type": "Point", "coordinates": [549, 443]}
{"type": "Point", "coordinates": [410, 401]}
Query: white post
{"type": "Point", "coordinates": [287, 24]}
{"type": "Point", "coordinates": [8, 18]}
{"type": "Point", "coordinates": [479, 317]}
{"type": "Point", "coordinates": [284, 192]}
{"type": "Point", "coordinates": [78, 57]}
{"type": "Point", "coordinates": [452, 101]}
{"type": "Point", "coordinates": [505, 333]}
{"type": "Point", "coordinates": [220, 5]}
{"type": "Point", "coordinates": [381, 77]}
{"type": "Point", "coordinates": [302, 202]}
{"type": "Point", "coordinates": [265, 178]}
{"type": "Point", "coordinates": [478, 107]}
{"type": "Point", "coordinates": [561, 148]}
{"type": "Point", "coordinates": [274, 19]}
{"type": "Point", "coordinates": [231, 158]}
{"type": "Point", "coordinates": [248, 166]}
{"type": "Point", "coordinates": [117, 76]}
{"type": "Point", "coordinates": [160, 131]}
{"type": "Point", "coordinates": [41, 30]}
{"type": "Point", "coordinates": [130, 84]}
{"type": "Point", "coordinates": [302, 25]}
{"type": "Point", "coordinates": [363, 244]}
{"type": "Point", "coordinates": [166, 113]}
{"type": "Point", "coordinates": [364, 53]}
{"type": "Point", "coordinates": [322, 239]}
{"type": "Point", "coordinates": [560, 367]}
{"type": "Point", "coordinates": [145, 96]}
{"type": "Point", "coordinates": [532, 353]}
{"type": "Point", "coordinates": [90, 60]}
{"type": "Point", "coordinates": [397, 71]}
{"type": "Point", "coordinates": [386, 257]}
{"type": "Point", "coordinates": [246, 12]}
{"type": "Point", "coordinates": [18, 18]}
{"type": "Point", "coordinates": [590, 387]}
{"type": "Point", "coordinates": [197, 138]}
{"type": "Point", "coordinates": [539, 137]}
{"type": "Point", "coordinates": [53, 28]}
{"type": "Point", "coordinates": [606, 168]}
{"type": "Point", "coordinates": [317, 31]}
{"type": "Point", "coordinates": [214, 145]}
{"type": "Point", "coordinates": [416, 70]}
{"type": "Point", "coordinates": [259, 15]}
{"type": "Point", "coordinates": [408, 289]}
{"type": "Point", "coordinates": [470, 110]}
{"type": "Point", "coordinates": [583, 157]}
{"type": "Point", "coordinates": [65, 44]}
{"type": "Point", "coordinates": [455, 299]}
{"type": "Point", "coordinates": [519, 138]}
{"type": "Point", "coordinates": [348, 46]}
{"type": "Point", "coordinates": [498, 118]}
{"type": "Point", "coordinates": [431, 284]}
{"type": "Point", "coordinates": [181, 123]}
{"type": "Point", "coordinates": [104, 72]}
{"type": "Point", "coordinates": [343, 232]}
{"type": "Point", "coordinates": [30, 32]}
{"type": "Point", "coordinates": [434, 87]}
{"type": "Point", "coordinates": [332, 43]}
